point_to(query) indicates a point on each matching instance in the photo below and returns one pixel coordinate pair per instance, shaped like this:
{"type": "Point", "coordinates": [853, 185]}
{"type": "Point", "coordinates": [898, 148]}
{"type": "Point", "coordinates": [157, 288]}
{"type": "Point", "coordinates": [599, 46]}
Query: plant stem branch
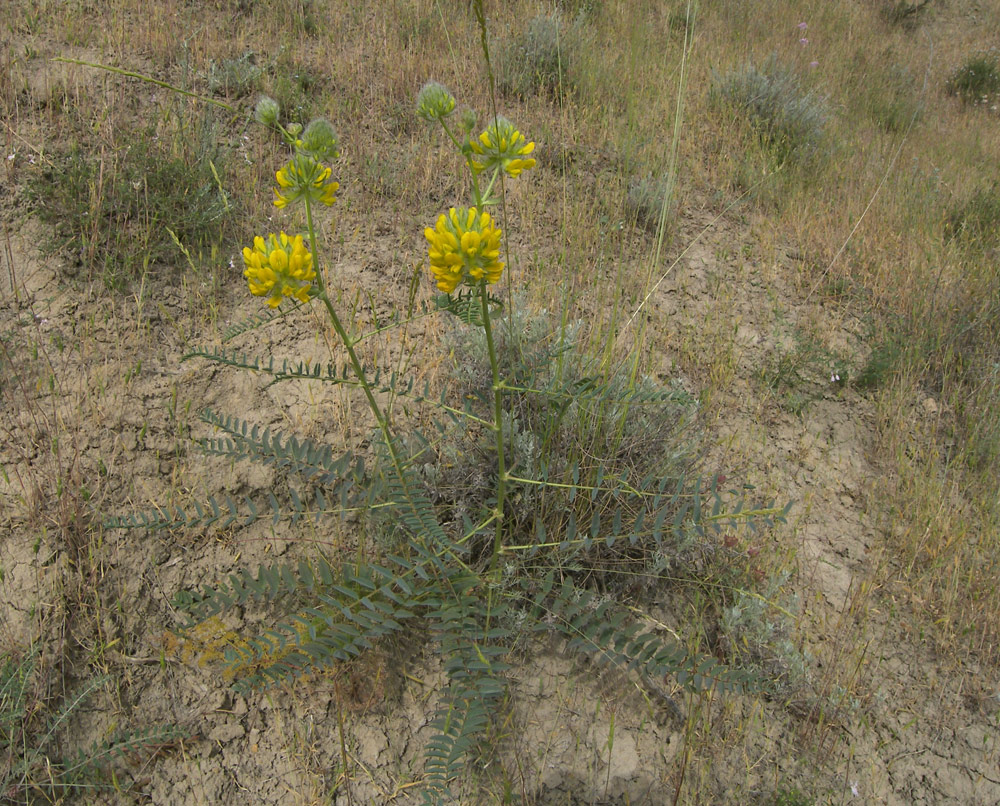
{"type": "Point", "coordinates": [497, 428]}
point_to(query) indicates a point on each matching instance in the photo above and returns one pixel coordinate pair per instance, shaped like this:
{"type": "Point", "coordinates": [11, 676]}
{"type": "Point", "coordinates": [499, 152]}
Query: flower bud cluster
{"type": "Point", "coordinates": [434, 102]}
{"type": "Point", "coordinates": [305, 175]}
{"type": "Point", "coordinates": [267, 111]}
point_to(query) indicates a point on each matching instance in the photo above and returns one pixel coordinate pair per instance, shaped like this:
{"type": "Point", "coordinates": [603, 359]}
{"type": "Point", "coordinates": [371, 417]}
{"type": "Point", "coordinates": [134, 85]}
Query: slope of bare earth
{"type": "Point", "coordinates": [99, 412]}
{"type": "Point", "coordinates": [876, 712]}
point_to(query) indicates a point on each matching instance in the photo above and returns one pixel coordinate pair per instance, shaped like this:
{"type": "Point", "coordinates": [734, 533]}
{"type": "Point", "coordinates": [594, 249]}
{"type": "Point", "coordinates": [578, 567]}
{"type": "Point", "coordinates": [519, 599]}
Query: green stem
{"type": "Point", "coordinates": [448, 131]}
{"type": "Point", "coordinates": [359, 371]}
{"type": "Point", "coordinates": [476, 195]}
{"type": "Point", "coordinates": [497, 429]}
{"type": "Point", "coordinates": [489, 189]}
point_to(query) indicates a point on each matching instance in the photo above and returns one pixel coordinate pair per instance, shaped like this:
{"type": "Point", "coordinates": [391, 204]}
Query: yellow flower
{"type": "Point", "coordinates": [464, 248]}
{"type": "Point", "coordinates": [501, 146]}
{"type": "Point", "coordinates": [304, 176]}
{"type": "Point", "coordinates": [279, 267]}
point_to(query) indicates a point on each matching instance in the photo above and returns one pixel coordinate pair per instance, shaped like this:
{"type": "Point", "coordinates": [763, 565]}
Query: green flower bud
{"type": "Point", "coordinates": [294, 129]}
{"type": "Point", "coordinates": [468, 120]}
{"type": "Point", "coordinates": [266, 111]}
{"type": "Point", "coordinates": [434, 102]}
{"type": "Point", "coordinates": [319, 141]}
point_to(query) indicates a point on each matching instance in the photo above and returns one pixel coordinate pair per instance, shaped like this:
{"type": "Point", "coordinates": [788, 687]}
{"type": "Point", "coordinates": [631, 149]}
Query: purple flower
{"type": "Point", "coordinates": [803, 41]}
{"type": "Point", "coordinates": [814, 64]}
{"type": "Point", "coordinates": [802, 26]}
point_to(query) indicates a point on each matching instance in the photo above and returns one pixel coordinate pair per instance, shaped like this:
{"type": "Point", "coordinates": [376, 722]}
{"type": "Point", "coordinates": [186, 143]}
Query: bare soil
{"type": "Point", "coordinates": [882, 716]}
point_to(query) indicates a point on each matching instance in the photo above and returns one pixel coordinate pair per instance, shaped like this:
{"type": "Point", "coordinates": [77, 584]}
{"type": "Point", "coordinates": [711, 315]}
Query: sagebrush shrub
{"type": "Point", "coordinates": [789, 119]}
{"type": "Point", "coordinates": [977, 81]}
{"type": "Point", "coordinates": [536, 59]}
{"type": "Point", "coordinates": [235, 78]}
{"type": "Point", "coordinates": [645, 199]}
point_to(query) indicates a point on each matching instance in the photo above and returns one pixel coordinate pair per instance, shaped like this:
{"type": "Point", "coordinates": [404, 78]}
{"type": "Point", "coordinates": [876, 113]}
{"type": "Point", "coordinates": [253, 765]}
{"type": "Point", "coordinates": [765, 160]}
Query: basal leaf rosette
{"type": "Point", "coordinates": [501, 146]}
{"type": "Point", "coordinates": [464, 248]}
{"type": "Point", "coordinates": [279, 267]}
{"type": "Point", "coordinates": [303, 176]}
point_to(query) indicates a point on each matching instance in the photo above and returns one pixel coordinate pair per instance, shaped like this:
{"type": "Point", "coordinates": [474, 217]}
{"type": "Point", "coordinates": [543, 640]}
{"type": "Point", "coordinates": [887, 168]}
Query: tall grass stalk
{"type": "Point", "coordinates": [668, 196]}
{"type": "Point", "coordinates": [667, 204]}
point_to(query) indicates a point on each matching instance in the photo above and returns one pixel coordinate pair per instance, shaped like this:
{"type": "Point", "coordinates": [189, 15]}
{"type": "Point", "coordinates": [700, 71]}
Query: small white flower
{"type": "Point", "coordinates": [834, 378]}
{"type": "Point", "coordinates": [854, 789]}
{"type": "Point", "coordinates": [10, 157]}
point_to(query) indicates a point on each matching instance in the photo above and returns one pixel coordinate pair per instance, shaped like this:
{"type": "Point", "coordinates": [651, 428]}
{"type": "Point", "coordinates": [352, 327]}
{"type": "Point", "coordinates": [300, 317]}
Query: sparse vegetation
{"type": "Point", "coordinates": [39, 762]}
{"type": "Point", "coordinates": [536, 59]}
{"type": "Point", "coordinates": [976, 222]}
{"type": "Point", "coordinates": [896, 102]}
{"type": "Point", "coordinates": [788, 118]}
{"type": "Point", "coordinates": [905, 13]}
{"type": "Point", "coordinates": [111, 213]}
{"type": "Point", "coordinates": [977, 81]}
{"type": "Point", "coordinates": [817, 322]}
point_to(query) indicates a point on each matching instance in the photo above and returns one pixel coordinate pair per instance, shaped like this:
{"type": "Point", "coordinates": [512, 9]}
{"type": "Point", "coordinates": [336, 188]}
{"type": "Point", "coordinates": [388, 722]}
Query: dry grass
{"type": "Point", "coordinates": [866, 215]}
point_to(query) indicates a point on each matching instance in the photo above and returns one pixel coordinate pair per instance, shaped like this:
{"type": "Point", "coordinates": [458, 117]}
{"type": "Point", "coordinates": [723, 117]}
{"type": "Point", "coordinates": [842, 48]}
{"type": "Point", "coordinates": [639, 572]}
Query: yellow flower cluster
{"type": "Point", "coordinates": [304, 176]}
{"type": "Point", "coordinates": [464, 247]}
{"type": "Point", "coordinates": [279, 267]}
{"type": "Point", "coordinates": [503, 146]}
